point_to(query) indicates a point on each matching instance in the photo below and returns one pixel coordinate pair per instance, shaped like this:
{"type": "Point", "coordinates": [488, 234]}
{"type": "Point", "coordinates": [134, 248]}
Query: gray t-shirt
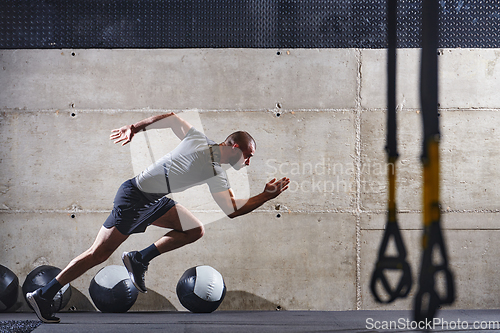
{"type": "Point", "coordinates": [193, 162]}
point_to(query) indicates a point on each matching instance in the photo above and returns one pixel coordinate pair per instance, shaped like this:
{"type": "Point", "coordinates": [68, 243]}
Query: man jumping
{"type": "Point", "coordinates": [141, 201]}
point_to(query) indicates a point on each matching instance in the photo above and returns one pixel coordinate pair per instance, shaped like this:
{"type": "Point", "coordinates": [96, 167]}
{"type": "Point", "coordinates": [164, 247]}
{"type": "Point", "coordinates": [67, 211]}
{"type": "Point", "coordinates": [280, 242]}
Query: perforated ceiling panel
{"type": "Point", "coordinates": [237, 23]}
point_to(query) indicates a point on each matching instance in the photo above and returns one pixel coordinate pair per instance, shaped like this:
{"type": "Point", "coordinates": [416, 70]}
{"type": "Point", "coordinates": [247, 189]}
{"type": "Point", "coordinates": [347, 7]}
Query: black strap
{"type": "Point", "coordinates": [428, 299]}
{"type": "Point", "coordinates": [214, 156]}
{"type": "Point", "coordinates": [429, 72]}
{"type": "Point", "coordinates": [392, 19]}
{"type": "Point", "coordinates": [392, 232]}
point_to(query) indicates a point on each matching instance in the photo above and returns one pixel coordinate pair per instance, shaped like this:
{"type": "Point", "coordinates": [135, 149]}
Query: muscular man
{"type": "Point", "coordinates": [142, 201]}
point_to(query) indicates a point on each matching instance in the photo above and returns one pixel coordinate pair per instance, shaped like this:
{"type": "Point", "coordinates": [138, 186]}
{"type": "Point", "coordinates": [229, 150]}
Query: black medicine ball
{"type": "Point", "coordinates": [112, 290]}
{"type": "Point", "coordinates": [201, 289]}
{"type": "Point", "coordinates": [9, 284]}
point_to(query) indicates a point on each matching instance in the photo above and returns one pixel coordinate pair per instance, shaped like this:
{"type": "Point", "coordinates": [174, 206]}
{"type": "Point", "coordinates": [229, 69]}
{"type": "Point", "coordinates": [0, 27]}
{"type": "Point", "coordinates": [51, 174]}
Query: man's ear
{"type": "Point", "coordinates": [236, 146]}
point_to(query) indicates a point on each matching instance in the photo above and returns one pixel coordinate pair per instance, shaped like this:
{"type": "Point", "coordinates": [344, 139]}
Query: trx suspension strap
{"type": "Point", "coordinates": [428, 300]}
{"type": "Point", "coordinates": [386, 262]}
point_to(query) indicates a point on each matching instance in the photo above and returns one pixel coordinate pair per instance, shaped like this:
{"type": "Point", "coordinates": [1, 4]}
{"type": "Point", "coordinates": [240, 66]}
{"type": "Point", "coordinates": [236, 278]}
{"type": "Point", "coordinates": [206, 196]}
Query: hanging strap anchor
{"type": "Point", "coordinates": [391, 262]}
{"type": "Point", "coordinates": [428, 300]}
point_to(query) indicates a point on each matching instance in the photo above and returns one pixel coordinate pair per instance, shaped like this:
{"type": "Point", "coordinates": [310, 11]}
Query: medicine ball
{"type": "Point", "coordinates": [112, 290]}
{"type": "Point", "coordinates": [42, 275]}
{"type": "Point", "coordinates": [201, 289]}
{"type": "Point", "coordinates": [9, 284]}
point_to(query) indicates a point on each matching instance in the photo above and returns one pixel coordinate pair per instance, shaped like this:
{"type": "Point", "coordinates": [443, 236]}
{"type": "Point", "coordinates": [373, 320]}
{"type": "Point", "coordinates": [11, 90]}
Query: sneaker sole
{"type": "Point", "coordinates": [35, 307]}
{"type": "Point", "coordinates": [128, 265]}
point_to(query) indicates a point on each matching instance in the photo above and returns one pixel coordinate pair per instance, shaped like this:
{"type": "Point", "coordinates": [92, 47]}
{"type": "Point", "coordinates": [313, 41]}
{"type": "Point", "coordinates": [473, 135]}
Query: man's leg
{"type": "Point", "coordinates": [105, 244]}
{"type": "Point", "coordinates": [186, 229]}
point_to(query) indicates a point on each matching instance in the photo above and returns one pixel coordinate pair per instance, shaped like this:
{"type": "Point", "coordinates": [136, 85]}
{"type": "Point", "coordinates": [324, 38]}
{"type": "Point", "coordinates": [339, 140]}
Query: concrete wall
{"type": "Point", "coordinates": [318, 117]}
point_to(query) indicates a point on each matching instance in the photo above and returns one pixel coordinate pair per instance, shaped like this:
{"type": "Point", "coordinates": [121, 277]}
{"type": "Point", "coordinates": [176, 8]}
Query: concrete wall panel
{"type": "Point", "coordinates": [467, 149]}
{"type": "Point", "coordinates": [374, 78]}
{"type": "Point", "coordinates": [178, 79]}
{"type": "Point", "coordinates": [469, 158]}
{"type": "Point", "coordinates": [374, 161]}
{"type": "Point", "coordinates": [75, 156]}
{"type": "Point", "coordinates": [468, 78]}
{"type": "Point", "coordinates": [56, 161]}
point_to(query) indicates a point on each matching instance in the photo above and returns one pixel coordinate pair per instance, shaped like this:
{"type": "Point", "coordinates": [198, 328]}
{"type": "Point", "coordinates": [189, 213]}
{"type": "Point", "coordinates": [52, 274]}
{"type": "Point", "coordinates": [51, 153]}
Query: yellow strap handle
{"type": "Point", "coordinates": [391, 176]}
{"type": "Point", "coordinates": [431, 210]}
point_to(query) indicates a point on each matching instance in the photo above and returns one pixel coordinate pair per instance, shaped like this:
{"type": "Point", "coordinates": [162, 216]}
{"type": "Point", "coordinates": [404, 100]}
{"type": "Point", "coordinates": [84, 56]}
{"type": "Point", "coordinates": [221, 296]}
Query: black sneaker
{"type": "Point", "coordinates": [42, 307]}
{"type": "Point", "coordinates": [136, 270]}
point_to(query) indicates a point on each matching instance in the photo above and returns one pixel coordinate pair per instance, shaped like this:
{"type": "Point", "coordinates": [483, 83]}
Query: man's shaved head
{"type": "Point", "coordinates": [241, 138]}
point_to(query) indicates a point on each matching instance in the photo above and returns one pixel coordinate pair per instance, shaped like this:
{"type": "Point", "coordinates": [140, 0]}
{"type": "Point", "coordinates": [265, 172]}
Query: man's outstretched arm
{"type": "Point", "coordinates": [179, 126]}
{"type": "Point", "coordinates": [236, 207]}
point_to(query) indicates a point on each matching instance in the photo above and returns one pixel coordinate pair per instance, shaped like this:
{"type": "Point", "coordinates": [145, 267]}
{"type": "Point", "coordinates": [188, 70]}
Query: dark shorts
{"type": "Point", "coordinates": [133, 212]}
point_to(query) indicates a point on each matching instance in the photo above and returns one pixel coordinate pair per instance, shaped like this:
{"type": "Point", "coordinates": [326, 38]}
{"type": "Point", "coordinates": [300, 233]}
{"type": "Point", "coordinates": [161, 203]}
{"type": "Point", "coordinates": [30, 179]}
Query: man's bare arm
{"type": "Point", "coordinates": [233, 207]}
{"type": "Point", "coordinates": [179, 126]}
{"type": "Point", "coordinates": [149, 123]}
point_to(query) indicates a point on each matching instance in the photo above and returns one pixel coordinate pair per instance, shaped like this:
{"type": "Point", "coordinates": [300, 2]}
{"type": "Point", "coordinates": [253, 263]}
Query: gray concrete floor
{"type": "Point", "coordinates": [261, 322]}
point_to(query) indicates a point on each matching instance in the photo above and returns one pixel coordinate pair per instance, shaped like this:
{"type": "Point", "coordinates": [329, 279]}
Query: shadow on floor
{"type": "Point", "coordinates": [244, 301]}
{"type": "Point", "coordinates": [152, 301]}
